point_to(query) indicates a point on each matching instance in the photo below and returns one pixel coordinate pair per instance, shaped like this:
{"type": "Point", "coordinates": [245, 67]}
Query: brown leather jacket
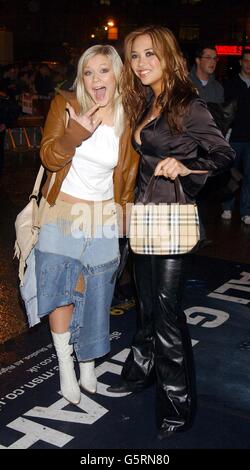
{"type": "Point", "coordinates": [59, 143]}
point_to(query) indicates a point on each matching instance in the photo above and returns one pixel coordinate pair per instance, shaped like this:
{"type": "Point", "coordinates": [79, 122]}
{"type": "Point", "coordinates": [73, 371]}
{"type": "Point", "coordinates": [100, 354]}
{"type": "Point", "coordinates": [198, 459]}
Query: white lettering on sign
{"type": "Point", "coordinates": [218, 317]}
{"type": "Point", "coordinates": [235, 284]}
{"type": "Point", "coordinates": [34, 432]}
{"type": "Point", "coordinates": [89, 411]}
{"type": "Point", "coordinates": [89, 414]}
{"type": "Point", "coordinates": [219, 293]}
{"type": "Point", "coordinates": [244, 280]}
{"type": "Point", "coordinates": [92, 411]}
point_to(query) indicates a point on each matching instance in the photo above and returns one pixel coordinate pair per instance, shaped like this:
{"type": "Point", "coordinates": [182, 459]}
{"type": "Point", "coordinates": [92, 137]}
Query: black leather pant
{"type": "Point", "coordinates": [161, 348]}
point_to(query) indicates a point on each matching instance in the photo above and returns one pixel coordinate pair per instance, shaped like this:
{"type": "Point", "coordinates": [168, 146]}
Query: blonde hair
{"type": "Point", "coordinates": [83, 98]}
{"type": "Point", "coordinates": [177, 89]}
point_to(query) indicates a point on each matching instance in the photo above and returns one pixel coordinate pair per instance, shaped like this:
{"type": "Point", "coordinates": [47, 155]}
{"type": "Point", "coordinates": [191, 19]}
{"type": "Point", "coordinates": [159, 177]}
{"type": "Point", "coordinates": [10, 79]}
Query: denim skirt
{"type": "Point", "coordinates": [76, 265]}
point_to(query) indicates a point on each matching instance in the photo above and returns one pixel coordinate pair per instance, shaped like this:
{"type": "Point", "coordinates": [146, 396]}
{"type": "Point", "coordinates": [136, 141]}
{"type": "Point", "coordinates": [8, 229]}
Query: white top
{"type": "Point", "coordinates": [91, 173]}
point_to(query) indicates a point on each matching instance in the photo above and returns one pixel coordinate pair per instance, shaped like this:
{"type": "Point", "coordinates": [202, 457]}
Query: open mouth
{"type": "Point", "coordinates": [99, 93]}
{"type": "Point", "coordinates": [144, 73]}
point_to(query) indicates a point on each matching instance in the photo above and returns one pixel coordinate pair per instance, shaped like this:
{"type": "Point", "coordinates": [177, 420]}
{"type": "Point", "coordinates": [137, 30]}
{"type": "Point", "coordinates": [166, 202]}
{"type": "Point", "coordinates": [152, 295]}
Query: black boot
{"type": "Point", "coordinates": [125, 387]}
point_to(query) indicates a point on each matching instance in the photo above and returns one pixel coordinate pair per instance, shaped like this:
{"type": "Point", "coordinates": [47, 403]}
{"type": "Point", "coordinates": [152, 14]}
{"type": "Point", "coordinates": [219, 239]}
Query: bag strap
{"type": "Point", "coordinates": [38, 181]}
{"type": "Point", "coordinates": [179, 193]}
{"type": "Point", "coordinates": [36, 187]}
{"type": "Point", "coordinates": [37, 184]}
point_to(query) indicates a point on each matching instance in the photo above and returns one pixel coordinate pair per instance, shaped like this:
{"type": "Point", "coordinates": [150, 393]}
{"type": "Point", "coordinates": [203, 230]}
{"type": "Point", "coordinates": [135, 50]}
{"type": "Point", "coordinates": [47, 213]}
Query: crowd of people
{"type": "Point", "coordinates": [40, 79]}
{"type": "Point", "coordinates": [41, 82]}
{"type": "Point", "coordinates": [235, 90]}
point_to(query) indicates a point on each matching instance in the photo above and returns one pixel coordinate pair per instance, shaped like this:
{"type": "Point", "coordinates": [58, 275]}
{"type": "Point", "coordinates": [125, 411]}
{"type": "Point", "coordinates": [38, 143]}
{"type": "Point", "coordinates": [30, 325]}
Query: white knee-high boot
{"type": "Point", "coordinates": [88, 379]}
{"type": "Point", "coordinates": [68, 382]}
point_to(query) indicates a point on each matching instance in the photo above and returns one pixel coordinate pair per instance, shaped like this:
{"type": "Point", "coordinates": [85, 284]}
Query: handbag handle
{"type": "Point", "coordinates": [179, 193]}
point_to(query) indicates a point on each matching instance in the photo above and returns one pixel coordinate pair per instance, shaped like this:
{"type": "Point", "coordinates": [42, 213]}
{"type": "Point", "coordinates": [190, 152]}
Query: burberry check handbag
{"type": "Point", "coordinates": [165, 228]}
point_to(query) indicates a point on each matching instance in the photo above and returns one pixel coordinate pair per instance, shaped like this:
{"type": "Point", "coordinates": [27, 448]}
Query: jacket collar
{"type": "Point", "coordinates": [70, 97]}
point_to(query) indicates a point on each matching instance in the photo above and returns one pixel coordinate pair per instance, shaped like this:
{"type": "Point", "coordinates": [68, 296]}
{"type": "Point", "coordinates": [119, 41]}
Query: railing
{"type": "Point", "coordinates": [27, 131]}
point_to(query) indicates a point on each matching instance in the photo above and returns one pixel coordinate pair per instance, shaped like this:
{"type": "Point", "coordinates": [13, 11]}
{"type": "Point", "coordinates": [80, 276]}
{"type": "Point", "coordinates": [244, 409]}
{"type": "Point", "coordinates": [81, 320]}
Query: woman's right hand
{"type": "Point", "coordinates": [171, 168]}
{"type": "Point", "coordinates": [87, 120]}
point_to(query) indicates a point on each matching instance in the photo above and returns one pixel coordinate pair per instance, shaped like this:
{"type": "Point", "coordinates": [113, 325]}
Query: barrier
{"type": "Point", "coordinates": [26, 135]}
{"type": "Point", "coordinates": [27, 131]}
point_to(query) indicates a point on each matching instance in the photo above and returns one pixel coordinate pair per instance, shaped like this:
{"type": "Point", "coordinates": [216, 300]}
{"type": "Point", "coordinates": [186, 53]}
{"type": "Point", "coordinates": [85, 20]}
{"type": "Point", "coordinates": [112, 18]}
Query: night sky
{"type": "Point", "coordinates": [41, 28]}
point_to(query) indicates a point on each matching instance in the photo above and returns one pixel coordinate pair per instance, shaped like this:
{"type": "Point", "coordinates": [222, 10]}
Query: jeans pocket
{"type": "Point", "coordinates": [55, 280]}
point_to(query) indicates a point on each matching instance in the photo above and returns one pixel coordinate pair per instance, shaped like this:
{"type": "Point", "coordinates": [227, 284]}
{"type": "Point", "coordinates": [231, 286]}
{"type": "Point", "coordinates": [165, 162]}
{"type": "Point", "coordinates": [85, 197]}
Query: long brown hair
{"type": "Point", "coordinates": [177, 88]}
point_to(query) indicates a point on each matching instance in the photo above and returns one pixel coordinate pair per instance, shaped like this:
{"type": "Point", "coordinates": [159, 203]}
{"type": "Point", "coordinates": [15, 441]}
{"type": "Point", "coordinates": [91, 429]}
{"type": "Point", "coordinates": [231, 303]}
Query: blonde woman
{"type": "Point", "coordinates": [87, 147]}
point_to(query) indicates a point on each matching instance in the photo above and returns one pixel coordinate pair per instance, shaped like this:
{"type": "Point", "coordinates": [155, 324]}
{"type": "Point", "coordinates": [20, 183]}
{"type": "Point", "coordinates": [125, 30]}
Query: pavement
{"type": "Point", "coordinates": [15, 187]}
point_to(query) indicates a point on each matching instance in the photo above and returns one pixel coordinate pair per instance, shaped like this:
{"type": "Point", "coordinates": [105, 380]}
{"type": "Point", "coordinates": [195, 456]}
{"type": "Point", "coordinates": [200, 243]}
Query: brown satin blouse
{"type": "Point", "coordinates": [199, 132]}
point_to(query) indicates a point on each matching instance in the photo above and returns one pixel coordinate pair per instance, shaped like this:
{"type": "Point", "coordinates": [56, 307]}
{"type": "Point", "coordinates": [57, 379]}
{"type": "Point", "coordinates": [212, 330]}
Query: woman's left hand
{"type": "Point", "coordinates": [171, 168]}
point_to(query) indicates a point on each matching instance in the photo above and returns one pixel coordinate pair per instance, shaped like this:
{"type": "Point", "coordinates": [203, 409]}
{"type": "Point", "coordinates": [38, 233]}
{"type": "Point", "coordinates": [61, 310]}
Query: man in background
{"type": "Point", "coordinates": [202, 74]}
{"type": "Point", "coordinates": [238, 88]}
{"type": "Point", "coordinates": [211, 91]}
